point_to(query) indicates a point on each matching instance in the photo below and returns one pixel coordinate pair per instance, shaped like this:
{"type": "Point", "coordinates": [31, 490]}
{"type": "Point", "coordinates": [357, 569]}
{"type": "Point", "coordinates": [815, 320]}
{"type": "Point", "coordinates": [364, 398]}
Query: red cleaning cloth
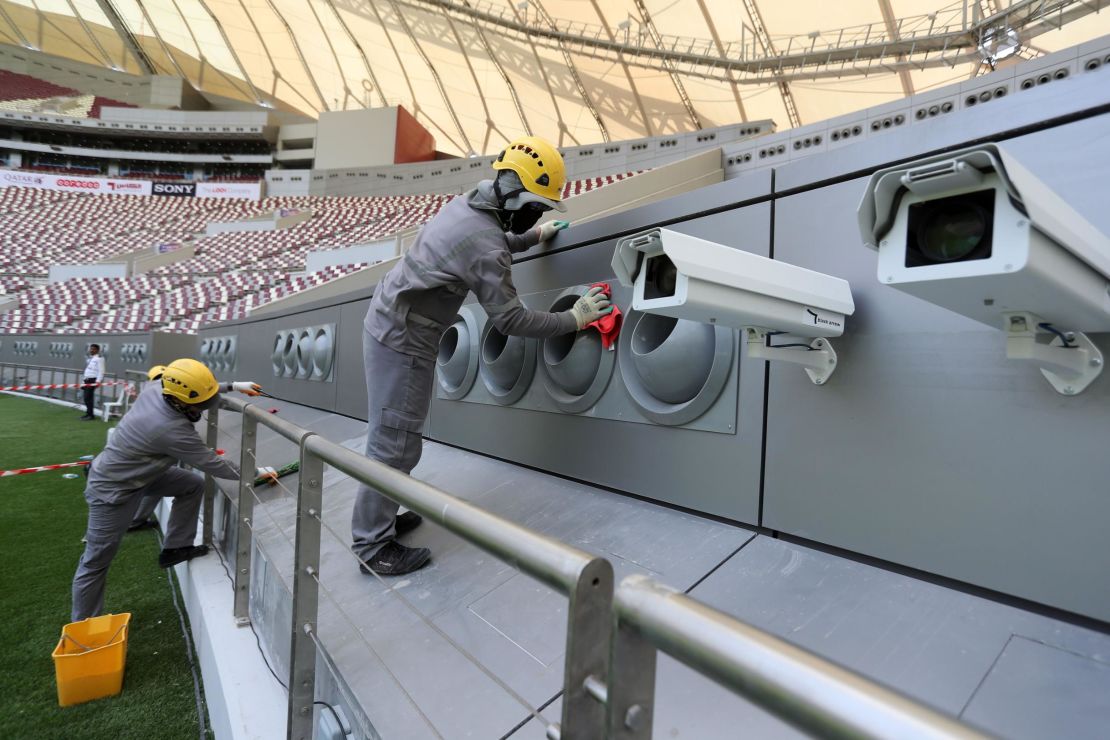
{"type": "Point", "coordinates": [609, 326]}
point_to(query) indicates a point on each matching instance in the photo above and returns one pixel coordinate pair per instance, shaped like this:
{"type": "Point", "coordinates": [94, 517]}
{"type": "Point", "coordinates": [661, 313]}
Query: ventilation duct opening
{"type": "Point", "coordinates": [457, 360]}
{"type": "Point", "coordinates": [674, 369]}
{"type": "Point", "coordinates": [277, 356]}
{"type": "Point", "coordinates": [289, 355]}
{"type": "Point", "coordinates": [229, 353]}
{"type": "Point", "coordinates": [323, 352]}
{"type": "Point", "coordinates": [304, 353]}
{"type": "Point", "coordinates": [577, 368]}
{"type": "Point", "coordinates": [507, 365]}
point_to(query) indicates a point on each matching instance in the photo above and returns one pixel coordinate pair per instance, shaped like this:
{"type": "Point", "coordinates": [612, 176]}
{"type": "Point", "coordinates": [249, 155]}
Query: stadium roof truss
{"type": "Point", "coordinates": [477, 72]}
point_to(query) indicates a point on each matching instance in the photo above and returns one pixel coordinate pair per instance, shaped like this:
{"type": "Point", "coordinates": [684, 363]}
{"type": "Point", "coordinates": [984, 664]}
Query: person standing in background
{"type": "Point", "coordinates": [94, 373]}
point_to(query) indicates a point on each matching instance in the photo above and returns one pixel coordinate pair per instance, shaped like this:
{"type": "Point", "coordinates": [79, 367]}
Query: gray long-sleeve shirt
{"type": "Point", "coordinates": [151, 438]}
{"type": "Point", "coordinates": [462, 249]}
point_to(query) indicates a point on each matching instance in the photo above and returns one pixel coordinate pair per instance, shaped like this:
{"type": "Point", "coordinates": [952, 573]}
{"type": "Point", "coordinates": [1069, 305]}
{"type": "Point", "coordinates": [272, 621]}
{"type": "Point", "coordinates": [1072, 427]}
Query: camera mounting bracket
{"type": "Point", "coordinates": [819, 361]}
{"type": "Point", "coordinates": [1070, 361]}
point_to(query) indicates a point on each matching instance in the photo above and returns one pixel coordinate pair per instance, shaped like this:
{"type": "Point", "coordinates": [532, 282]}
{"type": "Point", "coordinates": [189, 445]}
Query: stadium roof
{"type": "Point", "coordinates": [478, 72]}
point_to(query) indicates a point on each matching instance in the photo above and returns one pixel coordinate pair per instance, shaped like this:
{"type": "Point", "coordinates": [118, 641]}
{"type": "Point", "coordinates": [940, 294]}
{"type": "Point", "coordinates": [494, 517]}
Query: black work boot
{"type": "Point", "coordinates": [407, 522]}
{"type": "Point", "coordinates": [174, 555]}
{"type": "Point", "coordinates": [394, 559]}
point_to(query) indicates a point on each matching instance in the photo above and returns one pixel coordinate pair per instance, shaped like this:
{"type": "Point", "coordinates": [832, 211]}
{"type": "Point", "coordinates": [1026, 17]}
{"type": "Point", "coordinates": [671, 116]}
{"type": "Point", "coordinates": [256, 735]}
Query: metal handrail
{"type": "Point", "coordinates": [799, 687]}
{"type": "Point", "coordinates": [586, 579]}
{"type": "Point", "coordinates": [612, 638]}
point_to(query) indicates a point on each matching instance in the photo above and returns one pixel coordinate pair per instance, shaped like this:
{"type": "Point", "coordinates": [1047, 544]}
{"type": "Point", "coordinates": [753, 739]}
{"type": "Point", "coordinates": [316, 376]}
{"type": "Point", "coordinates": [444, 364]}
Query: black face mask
{"type": "Point", "coordinates": [190, 412]}
{"type": "Point", "coordinates": [522, 220]}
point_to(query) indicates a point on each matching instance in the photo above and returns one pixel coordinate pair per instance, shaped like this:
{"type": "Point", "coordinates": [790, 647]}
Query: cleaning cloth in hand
{"type": "Point", "coordinates": [609, 326]}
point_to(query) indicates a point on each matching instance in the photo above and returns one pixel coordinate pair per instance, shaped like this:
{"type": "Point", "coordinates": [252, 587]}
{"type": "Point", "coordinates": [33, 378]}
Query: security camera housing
{"type": "Point", "coordinates": [978, 234]}
{"type": "Point", "coordinates": [682, 276]}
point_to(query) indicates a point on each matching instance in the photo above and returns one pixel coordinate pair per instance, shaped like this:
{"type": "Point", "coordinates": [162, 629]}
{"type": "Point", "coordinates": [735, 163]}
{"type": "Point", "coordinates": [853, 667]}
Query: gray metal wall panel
{"type": "Point", "coordinates": [114, 362]}
{"type": "Point", "coordinates": [165, 347]}
{"type": "Point", "coordinates": [1079, 93]}
{"type": "Point", "coordinates": [256, 344]}
{"type": "Point", "coordinates": [711, 472]}
{"type": "Point", "coordinates": [752, 187]}
{"type": "Point", "coordinates": [351, 398]}
{"type": "Point", "coordinates": [928, 448]}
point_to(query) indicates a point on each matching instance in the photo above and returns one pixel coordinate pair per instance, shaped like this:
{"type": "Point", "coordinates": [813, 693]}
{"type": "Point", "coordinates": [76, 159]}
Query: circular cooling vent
{"type": "Point", "coordinates": [304, 353]}
{"type": "Point", "coordinates": [506, 365]}
{"type": "Point", "coordinates": [674, 369]}
{"type": "Point", "coordinates": [227, 356]}
{"type": "Point", "coordinates": [277, 357]}
{"type": "Point", "coordinates": [289, 355]}
{"type": "Point", "coordinates": [576, 367]}
{"type": "Point", "coordinates": [323, 352]}
{"type": "Point", "coordinates": [457, 361]}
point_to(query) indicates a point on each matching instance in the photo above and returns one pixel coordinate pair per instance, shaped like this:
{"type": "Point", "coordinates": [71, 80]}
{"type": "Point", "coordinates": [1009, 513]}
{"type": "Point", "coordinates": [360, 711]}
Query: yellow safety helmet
{"type": "Point", "coordinates": [539, 166]}
{"type": "Point", "coordinates": [189, 381]}
{"type": "Point", "coordinates": [155, 372]}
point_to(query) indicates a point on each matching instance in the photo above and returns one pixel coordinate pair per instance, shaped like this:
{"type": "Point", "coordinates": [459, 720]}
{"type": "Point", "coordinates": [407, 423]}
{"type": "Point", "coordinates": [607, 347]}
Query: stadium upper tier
{"type": "Point", "coordinates": [21, 92]}
{"type": "Point", "coordinates": [229, 272]}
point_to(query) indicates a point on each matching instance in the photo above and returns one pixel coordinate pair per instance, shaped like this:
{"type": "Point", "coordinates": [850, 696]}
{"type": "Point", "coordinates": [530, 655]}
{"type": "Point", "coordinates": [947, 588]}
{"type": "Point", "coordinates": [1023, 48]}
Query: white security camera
{"type": "Point", "coordinates": [684, 277]}
{"type": "Point", "coordinates": [975, 232]}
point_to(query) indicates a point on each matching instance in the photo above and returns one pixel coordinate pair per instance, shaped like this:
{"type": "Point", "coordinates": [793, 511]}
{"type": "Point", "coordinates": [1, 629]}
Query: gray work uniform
{"type": "Point", "coordinates": [149, 503]}
{"type": "Point", "coordinates": [138, 463]}
{"type": "Point", "coordinates": [462, 249]}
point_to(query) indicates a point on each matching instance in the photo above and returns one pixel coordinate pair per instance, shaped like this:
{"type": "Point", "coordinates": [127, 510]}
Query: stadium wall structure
{"type": "Point", "coordinates": [106, 269]}
{"type": "Point", "coordinates": [159, 91]}
{"type": "Point", "coordinates": [121, 352]}
{"type": "Point", "coordinates": [927, 449]}
{"type": "Point", "coordinates": [459, 175]}
{"type": "Point", "coordinates": [658, 184]}
{"type": "Point", "coordinates": [373, 137]}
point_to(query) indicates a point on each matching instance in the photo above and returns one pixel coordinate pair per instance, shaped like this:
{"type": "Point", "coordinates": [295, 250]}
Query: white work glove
{"type": "Point", "coordinates": [590, 307]}
{"type": "Point", "coordinates": [551, 228]}
{"type": "Point", "coordinates": [245, 387]}
{"type": "Point", "coordinates": [268, 473]}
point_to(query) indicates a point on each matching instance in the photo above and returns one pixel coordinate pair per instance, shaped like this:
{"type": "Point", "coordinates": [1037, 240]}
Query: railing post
{"type": "Point", "coordinates": [245, 507]}
{"type": "Point", "coordinates": [209, 481]}
{"type": "Point", "coordinates": [306, 595]}
{"type": "Point", "coordinates": [588, 631]}
{"type": "Point", "coordinates": [631, 692]}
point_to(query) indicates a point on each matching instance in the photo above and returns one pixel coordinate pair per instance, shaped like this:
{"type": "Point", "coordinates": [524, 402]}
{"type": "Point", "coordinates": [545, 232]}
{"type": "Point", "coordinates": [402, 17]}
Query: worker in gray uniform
{"type": "Point", "coordinates": [139, 462]}
{"type": "Point", "coordinates": [144, 515]}
{"type": "Point", "coordinates": [466, 247]}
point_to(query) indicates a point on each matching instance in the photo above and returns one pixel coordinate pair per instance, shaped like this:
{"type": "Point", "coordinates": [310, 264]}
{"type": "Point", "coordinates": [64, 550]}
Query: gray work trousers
{"type": "Point", "coordinates": [108, 523]}
{"type": "Point", "coordinates": [399, 391]}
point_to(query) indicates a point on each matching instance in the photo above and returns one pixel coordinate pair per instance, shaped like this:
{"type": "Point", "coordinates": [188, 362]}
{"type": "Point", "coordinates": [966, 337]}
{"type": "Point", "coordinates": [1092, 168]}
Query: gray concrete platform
{"type": "Point", "coordinates": [469, 647]}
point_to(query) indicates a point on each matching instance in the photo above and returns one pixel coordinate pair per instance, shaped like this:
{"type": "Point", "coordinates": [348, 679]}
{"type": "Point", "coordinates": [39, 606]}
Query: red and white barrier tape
{"type": "Point", "coordinates": [41, 468]}
{"type": "Point", "coordinates": [52, 386]}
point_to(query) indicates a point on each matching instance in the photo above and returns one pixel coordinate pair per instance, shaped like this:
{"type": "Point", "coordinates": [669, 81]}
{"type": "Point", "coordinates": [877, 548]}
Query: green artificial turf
{"type": "Point", "coordinates": [42, 521]}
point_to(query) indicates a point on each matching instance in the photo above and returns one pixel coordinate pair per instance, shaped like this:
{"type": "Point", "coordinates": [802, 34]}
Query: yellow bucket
{"type": "Point", "coordinates": [90, 657]}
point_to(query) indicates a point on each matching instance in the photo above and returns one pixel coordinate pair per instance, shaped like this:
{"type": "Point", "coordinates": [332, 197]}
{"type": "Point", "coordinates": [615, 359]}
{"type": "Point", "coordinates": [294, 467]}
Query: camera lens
{"type": "Point", "coordinates": [952, 232]}
{"type": "Point", "coordinates": [953, 229]}
{"type": "Point", "coordinates": [661, 279]}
